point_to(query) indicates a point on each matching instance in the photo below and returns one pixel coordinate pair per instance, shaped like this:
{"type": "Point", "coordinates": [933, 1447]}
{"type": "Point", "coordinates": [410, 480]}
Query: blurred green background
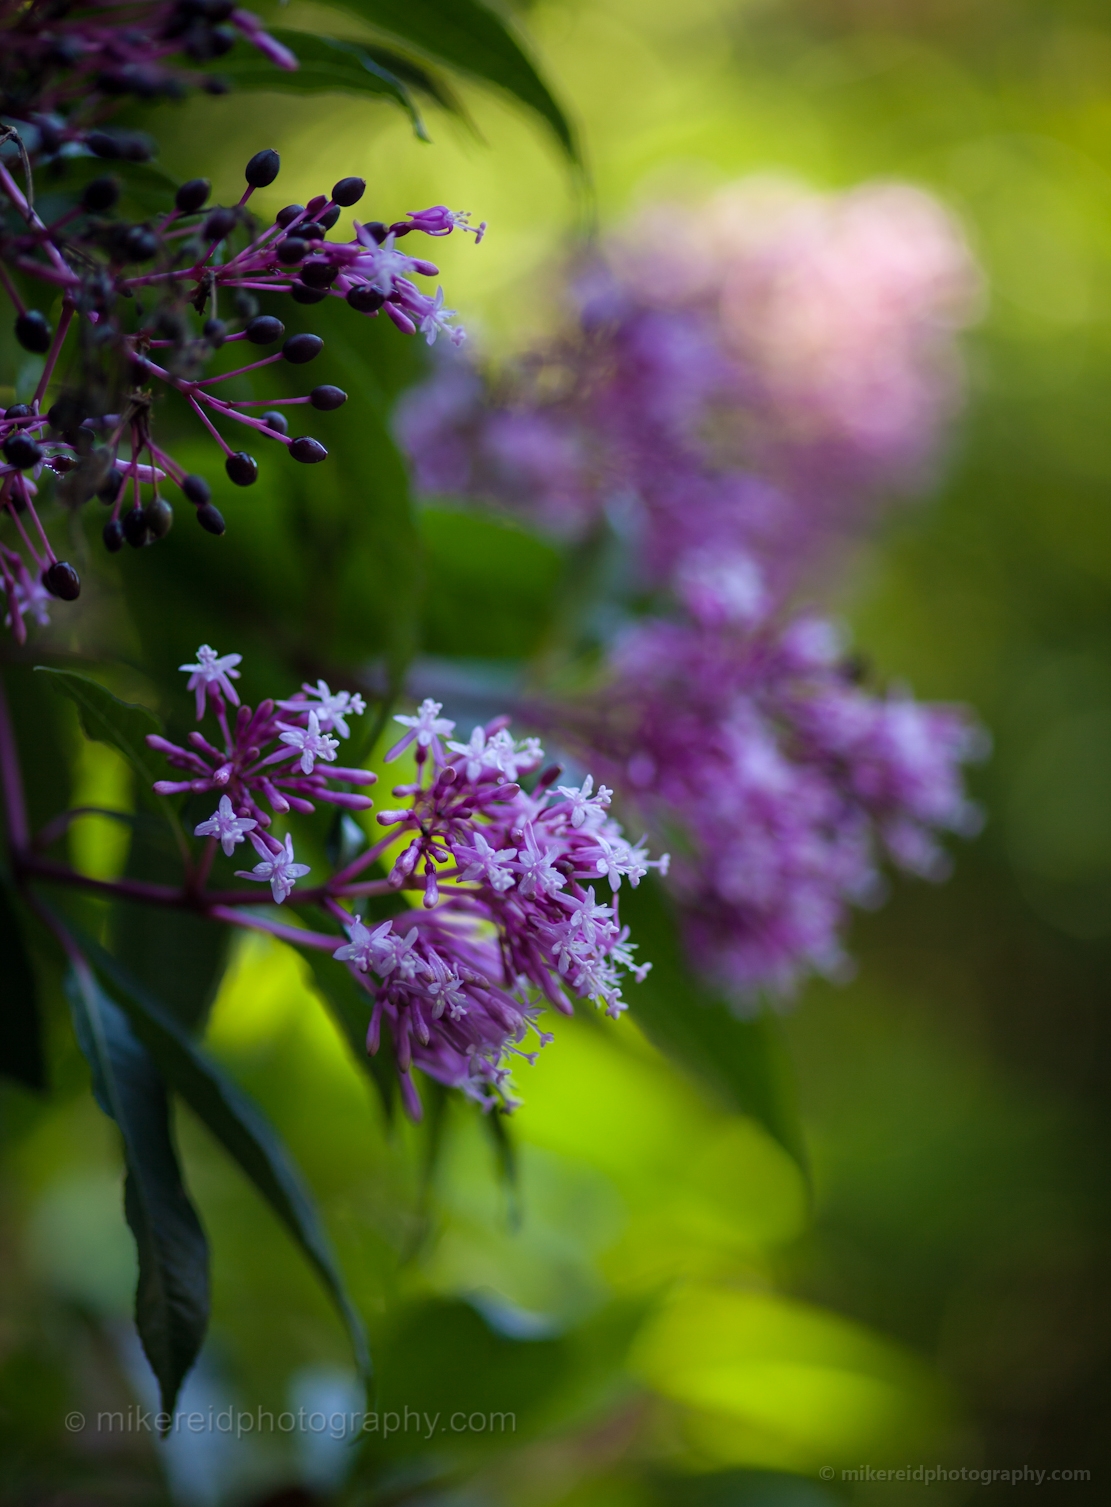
{"type": "Point", "coordinates": [672, 1316]}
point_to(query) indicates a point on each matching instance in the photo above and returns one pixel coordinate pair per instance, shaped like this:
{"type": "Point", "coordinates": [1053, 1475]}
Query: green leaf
{"type": "Point", "coordinates": [107, 719]}
{"type": "Point", "coordinates": [350, 1007]}
{"type": "Point", "coordinates": [468, 36]}
{"type": "Point", "coordinates": [241, 1128]}
{"type": "Point", "coordinates": [329, 65]}
{"type": "Point", "coordinates": [171, 1300]}
{"type": "Point", "coordinates": [743, 1060]}
{"type": "Point", "coordinates": [21, 1053]}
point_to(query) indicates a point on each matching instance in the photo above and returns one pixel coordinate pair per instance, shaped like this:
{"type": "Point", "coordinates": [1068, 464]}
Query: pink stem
{"type": "Point", "coordinates": [68, 310]}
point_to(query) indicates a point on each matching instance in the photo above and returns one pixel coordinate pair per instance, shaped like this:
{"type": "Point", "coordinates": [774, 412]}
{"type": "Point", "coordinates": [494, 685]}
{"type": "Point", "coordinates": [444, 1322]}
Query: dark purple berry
{"type": "Point", "coordinates": [246, 304]}
{"type": "Point", "coordinates": [159, 516]}
{"type": "Point", "coordinates": [292, 250]}
{"type": "Point", "coordinates": [33, 332]}
{"type": "Point", "coordinates": [103, 144]}
{"type": "Point", "coordinates": [263, 168]}
{"type": "Point", "coordinates": [328, 218]}
{"type": "Point", "coordinates": [101, 195]}
{"type": "Point", "coordinates": [69, 412]}
{"type": "Point", "coordinates": [300, 294]}
{"type": "Point", "coordinates": [326, 398]}
{"type": "Point", "coordinates": [193, 195]}
{"type": "Point", "coordinates": [319, 274]}
{"type": "Point", "coordinates": [219, 223]}
{"type": "Point", "coordinates": [109, 488]}
{"type": "Point", "coordinates": [196, 489]}
{"type": "Point", "coordinates": [349, 191]}
{"type": "Point", "coordinates": [312, 231]}
{"type": "Point", "coordinates": [140, 244]}
{"type": "Point", "coordinates": [242, 468]}
{"type": "Point", "coordinates": [61, 464]}
{"type": "Point", "coordinates": [276, 421]}
{"type": "Point", "coordinates": [21, 451]}
{"type": "Point", "coordinates": [135, 528]}
{"type": "Point", "coordinates": [308, 451]}
{"type": "Point", "coordinates": [302, 348]}
{"type": "Point", "coordinates": [61, 580]}
{"type": "Point", "coordinates": [264, 329]}
{"type": "Point", "coordinates": [215, 331]}
{"type": "Point", "coordinates": [211, 518]}
{"type": "Point", "coordinates": [17, 411]}
{"type": "Point", "coordinates": [377, 230]}
{"type": "Point", "coordinates": [129, 146]}
{"type": "Point", "coordinates": [112, 535]}
{"type": "Point", "coordinates": [287, 215]}
{"type": "Point", "coordinates": [365, 300]}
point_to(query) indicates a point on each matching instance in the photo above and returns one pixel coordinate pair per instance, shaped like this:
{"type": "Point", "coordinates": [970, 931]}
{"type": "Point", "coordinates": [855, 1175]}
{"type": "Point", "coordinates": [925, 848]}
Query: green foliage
{"type": "Point", "coordinates": [171, 1301]}
{"type": "Point", "coordinates": [104, 718]}
{"type": "Point", "coordinates": [21, 1048]}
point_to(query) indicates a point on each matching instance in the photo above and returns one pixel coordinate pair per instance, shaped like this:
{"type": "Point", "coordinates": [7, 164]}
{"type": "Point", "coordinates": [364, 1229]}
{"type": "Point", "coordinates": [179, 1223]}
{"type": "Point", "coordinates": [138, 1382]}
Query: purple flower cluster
{"type": "Point", "coordinates": [730, 402]}
{"type": "Point", "coordinates": [519, 886]}
{"type": "Point", "coordinates": [790, 782]}
{"type": "Point", "coordinates": [145, 302]}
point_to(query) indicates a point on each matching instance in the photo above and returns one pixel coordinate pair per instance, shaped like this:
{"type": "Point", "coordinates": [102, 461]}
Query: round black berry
{"type": "Point", "coordinates": [211, 518]}
{"type": "Point", "coordinates": [61, 580]}
{"type": "Point", "coordinates": [326, 398]}
{"type": "Point", "coordinates": [377, 230]}
{"type": "Point", "coordinates": [246, 304]}
{"type": "Point", "coordinates": [193, 195]}
{"type": "Point", "coordinates": [349, 191]}
{"type": "Point", "coordinates": [219, 223]}
{"type": "Point", "coordinates": [196, 489]}
{"type": "Point", "coordinates": [292, 250]}
{"type": "Point", "coordinates": [69, 412]}
{"type": "Point", "coordinates": [17, 411]}
{"type": "Point", "coordinates": [365, 300]}
{"type": "Point", "coordinates": [101, 195]}
{"type": "Point", "coordinates": [302, 348]}
{"type": "Point", "coordinates": [287, 215]}
{"type": "Point", "coordinates": [109, 488]}
{"type": "Point", "coordinates": [135, 528]}
{"type": "Point", "coordinates": [103, 144]}
{"type": "Point", "coordinates": [33, 332]}
{"type": "Point", "coordinates": [328, 218]}
{"type": "Point", "coordinates": [300, 294]}
{"type": "Point", "coordinates": [312, 231]}
{"type": "Point", "coordinates": [308, 451]}
{"type": "Point", "coordinates": [276, 421]}
{"type": "Point", "coordinates": [112, 535]}
{"type": "Point", "coordinates": [319, 274]}
{"type": "Point", "coordinates": [20, 450]}
{"type": "Point", "coordinates": [215, 331]}
{"type": "Point", "coordinates": [159, 516]}
{"type": "Point", "coordinates": [242, 468]}
{"type": "Point", "coordinates": [264, 329]}
{"type": "Point", "coordinates": [263, 168]}
{"type": "Point", "coordinates": [140, 244]}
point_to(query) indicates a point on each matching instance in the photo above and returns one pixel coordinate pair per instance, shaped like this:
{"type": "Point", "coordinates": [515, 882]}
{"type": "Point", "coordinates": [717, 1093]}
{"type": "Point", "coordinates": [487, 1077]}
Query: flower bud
{"type": "Point", "coordinates": [264, 329]}
{"type": "Point", "coordinates": [299, 349]}
{"type": "Point", "coordinates": [192, 196]}
{"type": "Point", "coordinates": [61, 580]}
{"type": "Point", "coordinates": [196, 489]}
{"type": "Point", "coordinates": [33, 332]}
{"type": "Point", "coordinates": [349, 191]}
{"type": "Point", "coordinates": [211, 518]}
{"type": "Point", "coordinates": [326, 398]}
{"type": "Point", "coordinates": [308, 451]}
{"type": "Point", "coordinates": [263, 168]}
{"type": "Point", "coordinates": [243, 470]}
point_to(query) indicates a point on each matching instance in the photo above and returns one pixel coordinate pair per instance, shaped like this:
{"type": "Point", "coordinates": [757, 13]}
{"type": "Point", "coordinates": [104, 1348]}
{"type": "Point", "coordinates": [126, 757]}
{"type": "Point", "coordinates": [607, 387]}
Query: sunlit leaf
{"type": "Point", "coordinates": [171, 1301]}
{"type": "Point", "coordinates": [21, 1054]}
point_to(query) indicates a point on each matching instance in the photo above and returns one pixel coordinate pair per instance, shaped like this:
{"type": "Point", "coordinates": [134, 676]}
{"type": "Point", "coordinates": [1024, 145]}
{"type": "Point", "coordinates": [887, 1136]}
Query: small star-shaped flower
{"type": "Point", "coordinates": [279, 870]}
{"type": "Point", "coordinates": [310, 742]}
{"type": "Point", "coordinates": [426, 729]}
{"type": "Point", "coordinates": [212, 670]}
{"type": "Point", "coordinates": [224, 824]}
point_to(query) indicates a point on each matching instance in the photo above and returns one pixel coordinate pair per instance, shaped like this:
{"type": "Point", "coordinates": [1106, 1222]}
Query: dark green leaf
{"type": "Point", "coordinates": [328, 65]}
{"type": "Point", "coordinates": [743, 1060]}
{"type": "Point", "coordinates": [107, 719]}
{"type": "Point", "coordinates": [171, 1301]}
{"type": "Point", "coordinates": [240, 1126]}
{"type": "Point", "coordinates": [468, 36]}
{"type": "Point", "coordinates": [21, 1054]}
{"type": "Point", "coordinates": [350, 1006]}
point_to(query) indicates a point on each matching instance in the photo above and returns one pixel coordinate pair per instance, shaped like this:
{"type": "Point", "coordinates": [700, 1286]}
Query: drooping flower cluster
{"type": "Point", "coordinates": [791, 783]}
{"type": "Point", "coordinates": [742, 386]}
{"type": "Point", "coordinates": [519, 886]}
{"type": "Point", "coordinates": [145, 303]}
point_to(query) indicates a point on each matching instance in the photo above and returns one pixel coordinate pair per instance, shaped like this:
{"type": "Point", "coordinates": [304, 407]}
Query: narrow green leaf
{"type": "Point", "coordinates": [240, 1126]}
{"type": "Point", "coordinates": [328, 65]}
{"type": "Point", "coordinates": [743, 1060]}
{"type": "Point", "coordinates": [107, 719]}
{"type": "Point", "coordinates": [350, 1007]}
{"type": "Point", "coordinates": [171, 1300]}
{"type": "Point", "coordinates": [21, 1053]}
{"type": "Point", "coordinates": [468, 36]}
